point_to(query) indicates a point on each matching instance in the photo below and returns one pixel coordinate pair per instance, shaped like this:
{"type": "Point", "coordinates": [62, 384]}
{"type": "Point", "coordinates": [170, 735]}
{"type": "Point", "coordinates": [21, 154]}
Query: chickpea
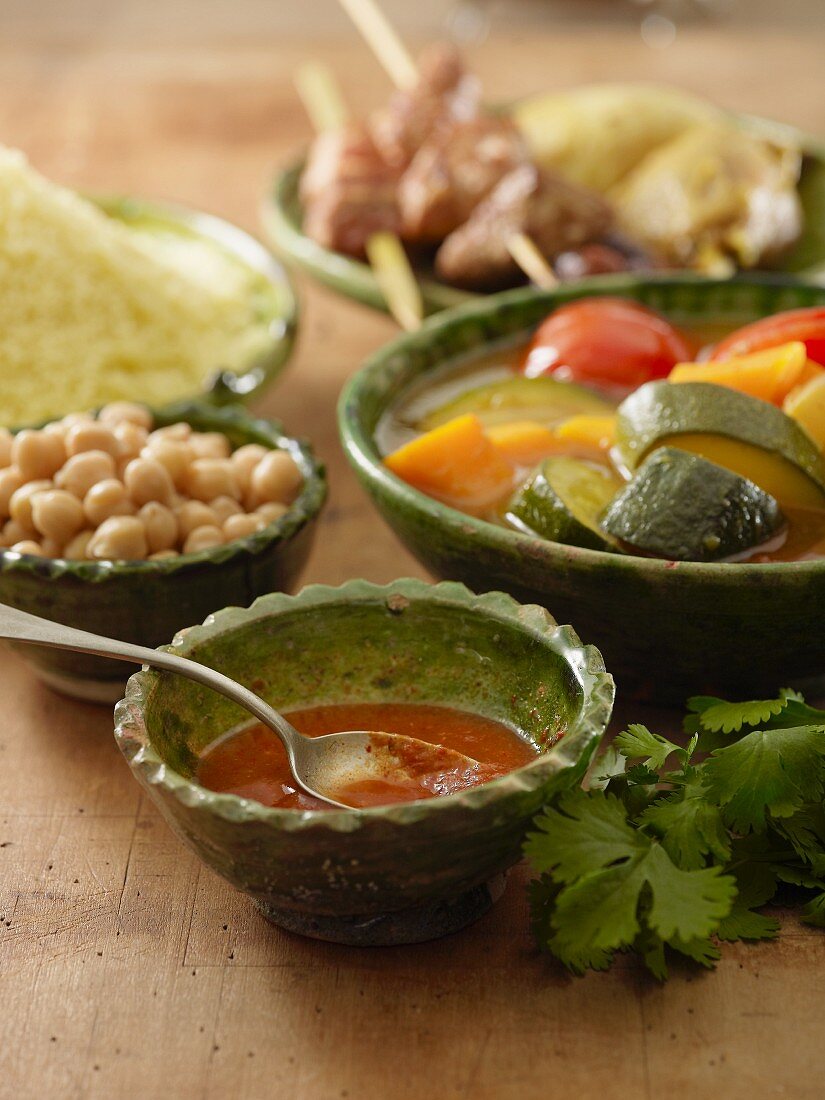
{"type": "Point", "coordinates": [275, 478]}
{"type": "Point", "coordinates": [146, 480]}
{"type": "Point", "coordinates": [118, 411]}
{"type": "Point", "coordinates": [91, 437]}
{"type": "Point", "coordinates": [6, 440]}
{"type": "Point", "coordinates": [272, 511]}
{"type": "Point", "coordinates": [119, 538]}
{"type": "Point", "coordinates": [180, 431]}
{"type": "Point", "coordinates": [209, 445]}
{"type": "Point", "coordinates": [83, 471]}
{"type": "Point", "coordinates": [238, 527]}
{"type": "Point", "coordinates": [212, 477]}
{"type": "Point", "coordinates": [57, 514]}
{"type": "Point", "coordinates": [76, 548]}
{"type": "Point", "coordinates": [161, 526]}
{"type": "Point", "coordinates": [10, 481]}
{"type": "Point", "coordinates": [51, 548]}
{"type": "Point", "coordinates": [192, 514]}
{"type": "Point", "coordinates": [131, 439]}
{"type": "Point", "coordinates": [224, 507]}
{"type": "Point", "coordinates": [28, 546]}
{"type": "Point", "coordinates": [161, 555]}
{"type": "Point", "coordinates": [245, 459]}
{"type": "Point", "coordinates": [107, 498]}
{"type": "Point", "coordinates": [12, 533]}
{"type": "Point", "coordinates": [71, 419]}
{"type": "Point", "coordinates": [202, 538]}
{"type": "Point", "coordinates": [174, 454]}
{"type": "Point", "coordinates": [38, 455]}
{"type": "Point", "coordinates": [20, 505]}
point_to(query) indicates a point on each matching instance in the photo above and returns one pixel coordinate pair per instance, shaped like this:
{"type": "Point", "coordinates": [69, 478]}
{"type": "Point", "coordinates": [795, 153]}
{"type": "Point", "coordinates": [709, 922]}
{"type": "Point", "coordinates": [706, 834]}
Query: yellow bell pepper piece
{"type": "Point", "coordinates": [590, 431]}
{"type": "Point", "coordinates": [524, 442]}
{"type": "Point", "coordinates": [806, 404]}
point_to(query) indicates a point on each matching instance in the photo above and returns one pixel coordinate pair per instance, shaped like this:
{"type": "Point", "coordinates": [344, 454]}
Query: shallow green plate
{"type": "Point", "coordinates": [282, 217]}
{"type": "Point", "coordinates": [274, 297]}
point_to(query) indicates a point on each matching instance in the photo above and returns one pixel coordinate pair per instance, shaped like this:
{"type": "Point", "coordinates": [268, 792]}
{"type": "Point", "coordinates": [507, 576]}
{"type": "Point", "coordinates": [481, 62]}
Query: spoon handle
{"type": "Point", "coordinates": [23, 627]}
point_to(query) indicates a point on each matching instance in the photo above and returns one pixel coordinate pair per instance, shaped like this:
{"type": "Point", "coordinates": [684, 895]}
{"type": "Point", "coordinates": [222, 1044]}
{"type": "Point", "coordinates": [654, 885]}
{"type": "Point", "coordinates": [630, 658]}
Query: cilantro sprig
{"type": "Point", "coordinates": [676, 848]}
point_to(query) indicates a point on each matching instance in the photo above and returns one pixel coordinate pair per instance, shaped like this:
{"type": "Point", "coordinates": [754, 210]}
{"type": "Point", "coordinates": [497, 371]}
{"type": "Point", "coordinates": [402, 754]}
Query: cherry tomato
{"type": "Point", "coordinates": [807, 325]}
{"type": "Point", "coordinates": [609, 342]}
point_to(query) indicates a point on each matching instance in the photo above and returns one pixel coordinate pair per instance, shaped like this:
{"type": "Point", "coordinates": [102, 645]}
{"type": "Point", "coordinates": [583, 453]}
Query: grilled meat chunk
{"type": "Point", "coordinates": [556, 215]}
{"type": "Point", "coordinates": [347, 190]}
{"type": "Point", "coordinates": [451, 174]}
{"type": "Point", "coordinates": [444, 92]}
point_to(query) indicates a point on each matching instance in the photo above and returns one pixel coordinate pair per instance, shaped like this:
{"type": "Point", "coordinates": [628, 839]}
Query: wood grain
{"type": "Point", "coordinates": [126, 969]}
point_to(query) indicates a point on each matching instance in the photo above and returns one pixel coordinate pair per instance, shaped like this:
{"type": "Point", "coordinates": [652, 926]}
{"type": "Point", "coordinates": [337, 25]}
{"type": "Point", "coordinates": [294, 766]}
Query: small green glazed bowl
{"type": "Point", "coordinates": [666, 629]}
{"type": "Point", "coordinates": [396, 874]}
{"type": "Point", "coordinates": [272, 295]}
{"type": "Point", "coordinates": [145, 602]}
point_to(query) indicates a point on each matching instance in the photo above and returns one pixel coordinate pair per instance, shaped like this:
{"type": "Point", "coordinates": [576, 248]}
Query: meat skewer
{"type": "Point", "coordinates": [349, 195]}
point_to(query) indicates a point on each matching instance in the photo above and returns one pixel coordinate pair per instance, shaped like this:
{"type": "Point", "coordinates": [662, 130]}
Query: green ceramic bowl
{"type": "Point", "coordinates": [665, 629]}
{"type": "Point", "coordinates": [273, 297]}
{"type": "Point", "coordinates": [282, 218]}
{"type": "Point", "coordinates": [145, 602]}
{"type": "Point", "coordinates": [394, 874]}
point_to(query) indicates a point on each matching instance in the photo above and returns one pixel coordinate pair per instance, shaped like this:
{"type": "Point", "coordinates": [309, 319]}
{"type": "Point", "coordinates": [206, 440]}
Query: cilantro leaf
{"type": "Point", "coordinates": [584, 832]}
{"type": "Point", "coordinates": [598, 914]}
{"type": "Point", "coordinates": [615, 882]}
{"type": "Point", "coordinates": [640, 775]}
{"type": "Point", "coordinates": [755, 885]}
{"type": "Point", "coordinates": [814, 911]}
{"type": "Point", "coordinates": [768, 771]}
{"type": "Point", "coordinates": [691, 828]}
{"type": "Point", "coordinates": [722, 717]}
{"type": "Point", "coordinates": [702, 950]}
{"type": "Point", "coordinates": [638, 743]}
{"type": "Point", "coordinates": [686, 905]}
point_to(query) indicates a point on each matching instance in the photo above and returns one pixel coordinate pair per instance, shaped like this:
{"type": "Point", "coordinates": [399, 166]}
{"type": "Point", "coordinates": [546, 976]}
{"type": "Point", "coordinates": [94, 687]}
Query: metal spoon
{"type": "Point", "coordinates": [318, 764]}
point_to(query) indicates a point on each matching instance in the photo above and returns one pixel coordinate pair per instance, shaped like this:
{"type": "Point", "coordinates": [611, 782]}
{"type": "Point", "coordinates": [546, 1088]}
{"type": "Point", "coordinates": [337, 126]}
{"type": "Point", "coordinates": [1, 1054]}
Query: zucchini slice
{"type": "Point", "coordinates": [681, 507]}
{"type": "Point", "coordinates": [543, 399]}
{"type": "Point", "coordinates": [732, 429]}
{"type": "Point", "coordinates": [562, 501]}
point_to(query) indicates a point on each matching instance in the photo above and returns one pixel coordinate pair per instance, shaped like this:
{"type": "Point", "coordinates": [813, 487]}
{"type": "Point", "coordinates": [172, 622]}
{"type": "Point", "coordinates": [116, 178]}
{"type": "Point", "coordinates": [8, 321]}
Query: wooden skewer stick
{"type": "Point", "coordinates": [525, 252]}
{"type": "Point", "coordinates": [392, 54]}
{"type": "Point", "coordinates": [384, 41]}
{"type": "Point", "coordinates": [323, 102]}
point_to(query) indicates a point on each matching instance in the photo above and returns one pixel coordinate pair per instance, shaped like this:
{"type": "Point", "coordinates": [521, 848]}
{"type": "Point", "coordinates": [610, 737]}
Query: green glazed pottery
{"type": "Point", "coordinates": [395, 874]}
{"type": "Point", "coordinates": [274, 301]}
{"type": "Point", "coordinates": [282, 222]}
{"type": "Point", "coordinates": [145, 602]}
{"type": "Point", "coordinates": [666, 629]}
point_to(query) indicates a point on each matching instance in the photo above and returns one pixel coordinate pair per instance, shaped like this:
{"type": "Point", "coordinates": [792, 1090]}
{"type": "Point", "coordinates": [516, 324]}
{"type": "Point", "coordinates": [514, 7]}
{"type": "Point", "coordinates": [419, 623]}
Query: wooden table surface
{"type": "Point", "coordinates": [126, 968]}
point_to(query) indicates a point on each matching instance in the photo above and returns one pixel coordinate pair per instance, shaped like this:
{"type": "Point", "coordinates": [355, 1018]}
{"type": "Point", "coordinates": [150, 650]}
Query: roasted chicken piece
{"type": "Point", "coordinates": [444, 92]}
{"type": "Point", "coordinates": [453, 172]}
{"type": "Point", "coordinates": [347, 190]}
{"type": "Point", "coordinates": [556, 215]}
{"type": "Point", "coordinates": [715, 198]}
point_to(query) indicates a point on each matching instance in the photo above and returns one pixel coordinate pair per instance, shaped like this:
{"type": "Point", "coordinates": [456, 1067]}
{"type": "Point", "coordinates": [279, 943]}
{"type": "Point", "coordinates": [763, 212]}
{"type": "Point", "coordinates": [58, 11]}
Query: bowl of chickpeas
{"type": "Point", "coordinates": [135, 524]}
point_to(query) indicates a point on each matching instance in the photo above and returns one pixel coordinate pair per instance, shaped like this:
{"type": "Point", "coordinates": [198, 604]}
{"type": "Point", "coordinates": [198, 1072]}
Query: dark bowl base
{"type": "Point", "coordinates": [414, 925]}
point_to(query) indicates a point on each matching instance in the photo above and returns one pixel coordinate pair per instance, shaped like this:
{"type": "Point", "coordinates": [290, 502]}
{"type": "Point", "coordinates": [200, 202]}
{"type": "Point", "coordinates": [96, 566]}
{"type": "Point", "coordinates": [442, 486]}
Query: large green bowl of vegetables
{"type": "Point", "coordinates": [666, 627]}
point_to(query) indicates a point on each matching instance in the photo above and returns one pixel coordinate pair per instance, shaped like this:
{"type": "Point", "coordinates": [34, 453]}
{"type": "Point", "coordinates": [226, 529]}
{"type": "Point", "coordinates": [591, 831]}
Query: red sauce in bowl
{"type": "Point", "coordinates": [252, 763]}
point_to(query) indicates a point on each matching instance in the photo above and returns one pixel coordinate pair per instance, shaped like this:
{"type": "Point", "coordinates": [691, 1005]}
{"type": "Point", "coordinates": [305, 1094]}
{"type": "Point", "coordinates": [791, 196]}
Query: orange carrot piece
{"type": "Point", "coordinates": [769, 374]}
{"type": "Point", "coordinates": [457, 463]}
